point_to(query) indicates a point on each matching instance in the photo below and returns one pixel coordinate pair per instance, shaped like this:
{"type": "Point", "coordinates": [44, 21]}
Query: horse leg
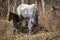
{"type": "Point", "coordinates": [26, 21]}
{"type": "Point", "coordinates": [16, 27]}
{"type": "Point", "coordinates": [30, 25]}
{"type": "Point", "coordinates": [14, 31]}
{"type": "Point", "coordinates": [30, 31]}
{"type": "Point", "coordinates": [36, 21]}
{"type": "Point", "coordinates": [19, 27]}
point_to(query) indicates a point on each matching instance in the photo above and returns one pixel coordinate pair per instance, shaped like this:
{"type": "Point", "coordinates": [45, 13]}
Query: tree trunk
{"type": "Point", "coordinates": [28, 1]}
{"type": "Point", "coordinates": [22, 1]}
{"type": "Point", "coordinates": [14, 6]}
{"type": "Point", "coordinates": [8, 8]}
{"type": "Point", "coordinates": [43, 7]}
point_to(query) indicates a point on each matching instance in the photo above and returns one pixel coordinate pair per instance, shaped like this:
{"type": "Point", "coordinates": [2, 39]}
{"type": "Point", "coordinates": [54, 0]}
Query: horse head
{"type": "Point", "coordinates": [10, 17]}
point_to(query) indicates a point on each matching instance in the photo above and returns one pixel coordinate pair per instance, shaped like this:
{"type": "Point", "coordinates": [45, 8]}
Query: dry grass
{"type": "Point", "coordinates": [6, 23]}
{"type": "Point", "coordinates": [48, 24]}
{"type": "Point", "coordinates": [51, 23]}
{"type": "Point", "coordinates": [6, 34]}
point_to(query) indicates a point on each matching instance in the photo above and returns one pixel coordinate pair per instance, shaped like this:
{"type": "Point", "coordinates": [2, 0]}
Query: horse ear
{"type": "Point", "coordinates": [10, 12]}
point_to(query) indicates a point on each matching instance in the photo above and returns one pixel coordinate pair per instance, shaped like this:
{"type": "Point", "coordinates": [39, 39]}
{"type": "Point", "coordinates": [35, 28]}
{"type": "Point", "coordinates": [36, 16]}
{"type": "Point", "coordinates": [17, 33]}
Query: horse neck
{"type": "Point", "coordinates": [13, 21]}
{"type": "Point", "coordinates": [15, 18]}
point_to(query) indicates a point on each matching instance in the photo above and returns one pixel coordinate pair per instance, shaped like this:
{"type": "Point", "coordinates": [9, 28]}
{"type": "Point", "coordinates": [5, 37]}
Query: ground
{"type": "Point", "coordinates": [6, 33]}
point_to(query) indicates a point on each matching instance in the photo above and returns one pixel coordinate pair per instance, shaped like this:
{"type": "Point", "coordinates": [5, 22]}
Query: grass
{"type": "Point", "coordinates": [6, 34]}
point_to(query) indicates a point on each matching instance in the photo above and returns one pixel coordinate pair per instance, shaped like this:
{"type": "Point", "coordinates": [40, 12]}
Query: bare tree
{"type": "Point", "coordinates": [14, 7]}
{"type": "Point", "coordinates": [8, 8]}
{"type": "Point", "coordinates": [28, 1]}
{"type": "Point", "coordinates": [22, 1]}
{"type": "Point", "coordinates": [43, 7]}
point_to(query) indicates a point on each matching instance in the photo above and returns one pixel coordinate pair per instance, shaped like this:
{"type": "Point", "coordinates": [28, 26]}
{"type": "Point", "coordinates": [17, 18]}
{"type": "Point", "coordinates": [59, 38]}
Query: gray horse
{"type": "Point", "coordinates": [29, 12]}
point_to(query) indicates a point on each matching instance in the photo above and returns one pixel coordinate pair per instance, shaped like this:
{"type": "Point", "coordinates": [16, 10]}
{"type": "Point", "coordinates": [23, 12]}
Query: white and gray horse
{"type": "Point", "coordinates": [29, 12]}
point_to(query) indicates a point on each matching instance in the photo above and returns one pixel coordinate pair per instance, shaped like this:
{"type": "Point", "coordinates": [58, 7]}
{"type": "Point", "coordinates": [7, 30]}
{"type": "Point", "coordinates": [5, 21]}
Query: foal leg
{"type": "Point", "coordinates": [18, 27]}
{"type": "Point", "coordinates": [14, 31]}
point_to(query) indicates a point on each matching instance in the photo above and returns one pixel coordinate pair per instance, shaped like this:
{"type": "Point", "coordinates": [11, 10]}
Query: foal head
{"type": "Point", "coordinates": [10, 17]}
{"type": "Point", "coordinates": [14, 17]}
